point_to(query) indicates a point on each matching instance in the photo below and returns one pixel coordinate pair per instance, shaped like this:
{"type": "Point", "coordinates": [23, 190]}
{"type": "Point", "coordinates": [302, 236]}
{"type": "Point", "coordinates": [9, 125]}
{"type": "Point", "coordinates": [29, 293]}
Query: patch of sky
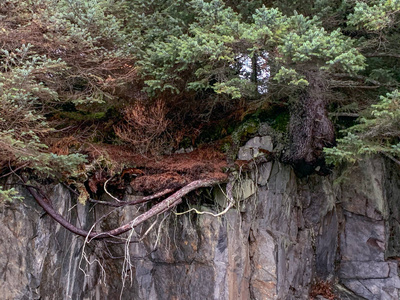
{"type": "Point", "coordinates": [262, 69]}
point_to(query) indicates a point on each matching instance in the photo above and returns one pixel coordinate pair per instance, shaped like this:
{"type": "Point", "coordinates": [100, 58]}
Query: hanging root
{"type": "Point", "coordinates": [163, 206]}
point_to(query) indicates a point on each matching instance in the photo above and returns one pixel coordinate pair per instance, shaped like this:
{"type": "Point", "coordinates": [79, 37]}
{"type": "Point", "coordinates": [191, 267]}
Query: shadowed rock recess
{"type": "Point", "coordinates": [285, 234]}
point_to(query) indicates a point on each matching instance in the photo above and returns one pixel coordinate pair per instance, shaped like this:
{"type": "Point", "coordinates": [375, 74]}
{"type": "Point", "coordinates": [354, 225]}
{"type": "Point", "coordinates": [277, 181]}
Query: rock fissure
{"type": "Point", "coordinates": [274, 246]}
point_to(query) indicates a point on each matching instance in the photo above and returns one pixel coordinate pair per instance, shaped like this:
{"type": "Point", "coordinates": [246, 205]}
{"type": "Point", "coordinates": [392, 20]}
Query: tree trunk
{"type": "Point", "coordinates": [310, 129]}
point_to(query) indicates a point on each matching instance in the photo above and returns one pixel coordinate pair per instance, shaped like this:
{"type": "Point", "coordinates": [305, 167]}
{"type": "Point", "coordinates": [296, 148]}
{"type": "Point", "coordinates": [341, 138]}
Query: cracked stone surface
{"type": "Point", "coordinates": [285, 233]}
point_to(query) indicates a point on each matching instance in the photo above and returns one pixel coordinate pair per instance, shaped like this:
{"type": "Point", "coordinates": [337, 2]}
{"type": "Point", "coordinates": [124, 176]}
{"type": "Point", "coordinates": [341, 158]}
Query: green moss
{"type": "Point", "coordinates": [81, 116]}
{"type": "Point", "coordinates": [226, 145]}
{"type": "Point", "coordinates": [281, 121]}
{"type": "Point", "coordinates": [276, 116]}
{"type": "Point", "coordinates": [245, 130]}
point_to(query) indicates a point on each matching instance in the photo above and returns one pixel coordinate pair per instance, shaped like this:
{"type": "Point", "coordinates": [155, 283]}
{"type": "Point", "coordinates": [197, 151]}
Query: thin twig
{"type": "Point", "coordinates": [391, 158]}
{"type": "Point", "coordinates": [15, 170]}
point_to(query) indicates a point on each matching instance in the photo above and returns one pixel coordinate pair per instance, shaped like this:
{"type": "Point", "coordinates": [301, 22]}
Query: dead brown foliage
{"type": "Point", "coordinates": [165, 172]}
{"type": "Point", "coordinates": [146, 127]}
{"type": "Point", "coordinates": [62, 146]}
{"type": "Point", "coordinates": [322, 288]}
{"type": "Point", "coordinates": [177, 170]}
{"type": "Point", "coordinates": [102, 73]}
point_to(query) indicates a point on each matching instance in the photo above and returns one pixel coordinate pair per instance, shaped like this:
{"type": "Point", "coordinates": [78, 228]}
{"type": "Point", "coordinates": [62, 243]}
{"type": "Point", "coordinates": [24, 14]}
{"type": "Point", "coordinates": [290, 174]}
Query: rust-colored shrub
{"type": "Point", "coordinates": [146, 127]}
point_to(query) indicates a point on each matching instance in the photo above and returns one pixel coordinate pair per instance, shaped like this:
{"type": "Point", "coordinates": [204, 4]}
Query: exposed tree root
{"type": "Point", "coordinates": [229, 197]}
{"type": "Point", "coordinates": [163, 206]}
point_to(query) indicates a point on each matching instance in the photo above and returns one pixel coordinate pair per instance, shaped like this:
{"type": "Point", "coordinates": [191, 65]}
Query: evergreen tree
{"type": "Point", "coordinates": [375, 25]}
{"type": "Point", "coordinates": [314, 57]}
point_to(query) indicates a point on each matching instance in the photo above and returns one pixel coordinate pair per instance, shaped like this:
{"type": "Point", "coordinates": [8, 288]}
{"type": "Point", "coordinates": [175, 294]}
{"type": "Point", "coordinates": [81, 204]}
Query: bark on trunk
{"type": "Point", "coordinates": [310, 129]}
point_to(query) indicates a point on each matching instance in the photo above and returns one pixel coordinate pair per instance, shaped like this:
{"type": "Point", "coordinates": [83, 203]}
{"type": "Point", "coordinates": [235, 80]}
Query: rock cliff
{"type": "Point", "coordinates": [285, 236]}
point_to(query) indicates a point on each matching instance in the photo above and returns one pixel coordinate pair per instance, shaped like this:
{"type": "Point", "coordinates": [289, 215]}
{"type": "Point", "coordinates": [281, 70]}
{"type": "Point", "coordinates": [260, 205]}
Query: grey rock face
{"type": "Point", "coordinates": [283, 234]}
{"type": "Point", "coordinates": [253, 146]}
{"type": "Point", "coordinates": [35, 250]}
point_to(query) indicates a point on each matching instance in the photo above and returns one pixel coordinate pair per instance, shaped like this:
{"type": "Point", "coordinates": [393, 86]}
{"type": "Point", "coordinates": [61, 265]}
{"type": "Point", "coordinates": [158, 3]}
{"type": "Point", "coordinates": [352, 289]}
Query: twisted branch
{"type": "Point", "coordinates": [165, 205]}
